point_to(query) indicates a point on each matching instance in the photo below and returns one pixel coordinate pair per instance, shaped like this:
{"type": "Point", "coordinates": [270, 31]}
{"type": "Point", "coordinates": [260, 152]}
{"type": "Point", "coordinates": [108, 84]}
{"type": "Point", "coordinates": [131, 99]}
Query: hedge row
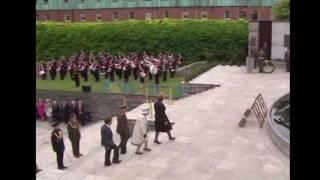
{"type": "Point", "coordinates": [221, 40]}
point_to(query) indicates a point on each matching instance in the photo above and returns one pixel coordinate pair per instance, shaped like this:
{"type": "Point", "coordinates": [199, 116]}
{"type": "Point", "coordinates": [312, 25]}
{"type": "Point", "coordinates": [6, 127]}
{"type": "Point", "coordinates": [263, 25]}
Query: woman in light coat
{"type": "Point", "coordinates": [140, 132]}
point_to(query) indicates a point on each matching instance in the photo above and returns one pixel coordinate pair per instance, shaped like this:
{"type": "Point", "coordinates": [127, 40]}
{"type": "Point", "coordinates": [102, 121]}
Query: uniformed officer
{"type": "Point", "coordinates": [74, 135]}
{"type": "Point", "coordinates": [58, 145]}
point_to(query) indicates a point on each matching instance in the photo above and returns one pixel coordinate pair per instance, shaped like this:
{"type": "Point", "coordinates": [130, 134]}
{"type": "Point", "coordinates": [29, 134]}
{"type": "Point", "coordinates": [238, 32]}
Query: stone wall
{"type": "Point", "coordinates": [190, 89]}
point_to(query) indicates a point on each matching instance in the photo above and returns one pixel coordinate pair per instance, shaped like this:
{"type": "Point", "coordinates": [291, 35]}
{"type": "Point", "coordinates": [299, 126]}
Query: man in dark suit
{"type": "Point", "coordinates": [107, 142]}
{"type": "Point", "coordinates": [55, 112]}
{"type": "Point", "coordinates": [58, 145]}
{"type": "Point", "coordinates": [64, 112]}
{"type": "Point", "coordinates": [162, 123]}
{"type": "Point", "coordinates": [123, 129]}
{"type": "Point", "coordinates": [80, 112]}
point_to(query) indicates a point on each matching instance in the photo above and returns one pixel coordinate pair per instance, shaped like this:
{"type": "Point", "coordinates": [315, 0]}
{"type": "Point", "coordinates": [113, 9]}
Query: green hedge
{"type": "Point", "coordinates": [221, 40]}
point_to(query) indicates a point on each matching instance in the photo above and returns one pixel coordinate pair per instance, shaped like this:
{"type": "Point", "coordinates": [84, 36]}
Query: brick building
{"type": "Point", "coordinates": [114, 10]}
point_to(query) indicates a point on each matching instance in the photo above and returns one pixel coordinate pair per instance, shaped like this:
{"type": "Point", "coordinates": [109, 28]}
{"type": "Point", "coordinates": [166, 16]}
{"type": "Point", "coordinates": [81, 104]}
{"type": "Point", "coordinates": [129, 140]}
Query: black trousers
{"type": "Point", "coordinates": [172, 73]}
{"type": "Point", "coordinates": [85, 75]}
{"type": "Point", "coordinates": [164, 77]}
{"type": "Point", "coordinates": [141, 80]}
{"type": "Point", "coordinates": [156, 78]}
{"type": "Point", "coordinates": [150, 76]}
{"type": "Point", "coordinates": [135, 74]}
{"type": "Point", "coordinates": [123, 143]}
{"type": "Point", "coordinates": [108, 153]}
{"type": "Point", "coordinates": [60, 159]}
{"type": "Point", "coordinates": [126, 76]}
{"type": "Point", "coordinates": [62, 74]}
{"type": "Point", "coordinates": [52, 75]}
{"type": "Point", "coordinates": [96, 76]}
{"type": "Point", "coordinates": [44, 76]}
{"type": "Point", "coordinates": [75, 147]}
{"type": "Point", "coordinates": [77, 81]}
{"type": "Point", "coordinates": [111, 74]}
{"type": "Point", "coordinates": [119, 73]}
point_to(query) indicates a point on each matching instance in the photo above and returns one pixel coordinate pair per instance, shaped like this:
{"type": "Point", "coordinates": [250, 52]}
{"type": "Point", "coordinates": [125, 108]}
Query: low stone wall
{"type": "Point", "coordinates": [187, 70]}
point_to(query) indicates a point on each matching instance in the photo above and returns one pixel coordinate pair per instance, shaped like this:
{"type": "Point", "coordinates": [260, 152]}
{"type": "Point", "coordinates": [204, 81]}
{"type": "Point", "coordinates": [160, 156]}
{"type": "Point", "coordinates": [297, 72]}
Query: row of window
{"type": "Point", "coordinates": [148, 16]}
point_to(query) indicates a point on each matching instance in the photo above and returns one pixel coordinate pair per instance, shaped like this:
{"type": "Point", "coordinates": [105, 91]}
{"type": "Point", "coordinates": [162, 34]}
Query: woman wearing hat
{"type": "Point", "coordinates": [140, 132]}
{"type": "Point", "coordinates": [162, 123]}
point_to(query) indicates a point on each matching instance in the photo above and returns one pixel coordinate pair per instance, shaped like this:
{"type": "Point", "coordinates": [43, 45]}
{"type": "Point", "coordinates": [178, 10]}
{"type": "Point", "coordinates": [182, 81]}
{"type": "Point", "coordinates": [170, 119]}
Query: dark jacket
{"type": "Point", "coordinates": [106, 136]}
{"type": "Point", "coordinates": [57, 145]}
{"type": "Point", "coordinates": [162, 123]}
{"type": "Point", "coordinates": [55, 111]}
{"type": "Point", "coordinates": [122, 125]}
{"type": "Point", "coordinates": [74, 133]}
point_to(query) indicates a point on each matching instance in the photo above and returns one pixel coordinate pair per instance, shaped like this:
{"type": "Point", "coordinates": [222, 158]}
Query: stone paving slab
{"type": "Point", "coordinates": [209, 144]}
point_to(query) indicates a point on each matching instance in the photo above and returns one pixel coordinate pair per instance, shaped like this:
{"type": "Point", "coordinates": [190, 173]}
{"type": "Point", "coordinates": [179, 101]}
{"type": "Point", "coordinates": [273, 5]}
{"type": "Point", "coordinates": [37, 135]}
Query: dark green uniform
{"type": "Point", "coordinates": [74, 136]}
{"type": "Point", "coordinates": [123, 130]}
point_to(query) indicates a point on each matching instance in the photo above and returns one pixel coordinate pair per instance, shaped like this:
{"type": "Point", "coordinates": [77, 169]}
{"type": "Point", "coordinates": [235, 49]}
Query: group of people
{"type": "Point", "coordinates": [52, 111]}
{"type": "Point", "coordinates": [79, 65]}
{"type": "Point", "coordinates": [139, 136]}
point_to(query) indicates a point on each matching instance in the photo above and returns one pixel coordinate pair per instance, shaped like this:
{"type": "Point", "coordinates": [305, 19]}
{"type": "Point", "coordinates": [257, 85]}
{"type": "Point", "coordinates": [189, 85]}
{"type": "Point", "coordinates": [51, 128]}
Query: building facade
{"type": "Point", "coordinates": [114, 10]}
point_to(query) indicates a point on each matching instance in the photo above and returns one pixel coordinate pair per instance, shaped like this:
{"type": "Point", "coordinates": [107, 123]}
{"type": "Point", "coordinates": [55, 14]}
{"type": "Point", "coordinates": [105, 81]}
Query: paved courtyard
{"type": "Point", "coordinates": [209, 144]}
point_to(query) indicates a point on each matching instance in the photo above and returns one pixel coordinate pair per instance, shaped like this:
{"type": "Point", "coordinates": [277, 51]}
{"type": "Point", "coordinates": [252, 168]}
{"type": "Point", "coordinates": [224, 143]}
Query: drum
{"type": "Point", "coordinates": [172, 70]}
{"type": "Point", "coordinates": [153, 70]}
{"type": "Point", "coordinates": [133, 65]}
{"type": "Point", "coordinates": [41, 72]}
{"type": "Point", "coordinates": [142, 74]}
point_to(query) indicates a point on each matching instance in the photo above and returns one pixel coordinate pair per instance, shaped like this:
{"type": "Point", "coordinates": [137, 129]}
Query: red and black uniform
{"type": "Point", "coordinates": [43, 68]}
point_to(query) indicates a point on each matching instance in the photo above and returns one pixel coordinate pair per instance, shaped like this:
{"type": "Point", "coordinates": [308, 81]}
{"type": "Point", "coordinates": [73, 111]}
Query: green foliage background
{"type": "Point", "coordinates": [281, 10]}
{"type": "Point", "coordinates": [211, 40]}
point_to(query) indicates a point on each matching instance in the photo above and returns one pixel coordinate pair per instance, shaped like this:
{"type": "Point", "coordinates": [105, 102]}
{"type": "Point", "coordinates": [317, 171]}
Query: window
{"type": "Point", "coordinates": [115, 16]}
{"type": "Point", "coordinates": [131, 15]}
{"type": "Point", "coordinates": [204, 15]}
{"type": "Point", "coordinates": [98, 0]}
{"type": "Point", "coordinates": [227, 14]}
{"type": "Point", "coordinates": [37, 17]}
{"type": "Point", "coordinates": [166, 14]}
{"type": "Point", "coordinates": [254, 16]}
{"type": "Point", "coordinates": [82, 17]}
{"type": "Point", "coordinates": [185, 15]}
{"type": "Point", "coordinates": [148, 16]}
{"type": "Point", "coordinates": [114, 0]}
{"type": "Point", "coordinates": [45, 1]}
{"type": "Point", "coordinates": [81, 1]}
{"type": "Point", "coordinates": [66, 18]}
{"type": "Point", "coordinates": [98, 17]}
{"type": "Point", "coordinates": [242, 15]}
{"type": "Point", "coordinates": [65, 1]}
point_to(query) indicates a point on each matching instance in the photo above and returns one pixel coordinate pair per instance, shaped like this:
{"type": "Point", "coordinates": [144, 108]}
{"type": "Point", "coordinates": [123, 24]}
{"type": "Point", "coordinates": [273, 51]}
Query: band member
{"type": "Point", "coordinates": [123, 129]}
{"type": "Point", "coordinates": [58, 145]}
{"type": "Point", "coordinates": [52, 71]}
{"type": "Point", "coordinates": [135, 68]}
{"type": "Point", "coordinates": [140, 132]}
{"type": "Point", "coordinates": [95, 70]}
{"type": "Point", "coordinates": [142, 73]}
{"type": "Point", "coordinates": [162, 123]}
{"type": "Point", "coordinates": [125, 72]}
{"type": "Point", "coordinates": [62, 69]}
{"type": "Point", "coordinates": [74, 135]}
{"type": "Point", "coordinates": [43, 71]}
{"type": "Point", "coordinates": [84, 72]}
{"type": "Point", "coordinates": [75, 77]}
{"type": "Point", "coordinates": [108, 143]}
{"type": "Point", "coordinates": [164, 69]}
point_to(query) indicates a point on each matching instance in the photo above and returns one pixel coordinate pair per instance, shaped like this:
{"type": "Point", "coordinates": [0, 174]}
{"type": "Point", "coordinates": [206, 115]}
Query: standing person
{"type": "Point", "coordinates": [74, 135]}
{"type": "Point", "coordinates": [140, 132]}
{"type": "Point", "coordinates": [80, 112]}
{"type": "Point", "coordinates": [162, 123]}
{"type": "Point", "coordinates": [123, 129]}
{"type": "Point", "coordinates": [58, 145]}
{"type": "Point", "coordinates": [108, 143]}
{"type": "Point", "coordinates": [76, 77]}
{"type": "Point", "coordinates": [287, 59]}
{"type": "Point", "coordinates": [64, 111]}
{"type": "Point", "coordinates": [41, 110]}
{"type": "Point", "coordinates": [55, 111]}
{"type": "Point", "coordinates": [43, 71]}
{"type": "Point", "coordinates": [48, 109]}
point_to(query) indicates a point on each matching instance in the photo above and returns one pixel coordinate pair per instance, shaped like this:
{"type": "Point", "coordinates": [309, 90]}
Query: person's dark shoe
{"type": "Point", "coordinates": [38, 170]}
{"type": "Point", "coordinates": [157, 142]}
{"type": "Point", "coordinates": [147, 149]}
{"type": "Point", "coordinates": [64, 167]}
{"type": "Point", "coordinates": [60, 168]}
{"type": "Point", "coordinates": [139, 153]}
{"type": "Point", "coordinates": [116, 162]}
{"type": "Point", "coordinates": [172, 123]}
{"type": "Point", "coordinates": [80, 154]}
{"type": "Point", "coordinates": [123, 152]}
{"type": "Point", "coordinates": [172, 138]}
{"type": "Point", "coordinates": [76, 156]}
{"type": "Point", "coordinates": [108, 164]}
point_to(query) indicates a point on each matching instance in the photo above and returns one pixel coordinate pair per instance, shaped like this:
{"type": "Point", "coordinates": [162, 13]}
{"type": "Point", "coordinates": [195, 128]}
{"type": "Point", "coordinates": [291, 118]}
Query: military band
{"type": "Point", "coordinates": [80, 66]}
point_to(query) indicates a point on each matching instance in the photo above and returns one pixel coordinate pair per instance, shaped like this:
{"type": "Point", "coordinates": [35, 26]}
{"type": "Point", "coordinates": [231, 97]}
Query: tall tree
{"type": "Point", "coordinates": [281, 10]}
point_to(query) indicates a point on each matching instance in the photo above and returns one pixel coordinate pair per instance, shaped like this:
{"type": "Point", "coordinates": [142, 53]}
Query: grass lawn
{"type": "Point", "coordinates": [134, 86]}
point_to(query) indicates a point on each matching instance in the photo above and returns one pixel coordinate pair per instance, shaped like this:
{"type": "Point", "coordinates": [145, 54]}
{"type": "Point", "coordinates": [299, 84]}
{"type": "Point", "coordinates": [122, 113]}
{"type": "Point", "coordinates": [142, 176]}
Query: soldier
{"type": "Point", "coordinates": [108, 143]}
{"type": "Point", "coordinates": [58, 145]}
{"type": "Point", "coordinates": [75, 77]}
{"type": "Point", "coordinates": [43, 71]}
{"type": "Point", "coordinates": [123, 129]}
{"type": "Point", "coordinates": [74, 135]}
{"type": "Point", "coordinates": [261, 57]}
